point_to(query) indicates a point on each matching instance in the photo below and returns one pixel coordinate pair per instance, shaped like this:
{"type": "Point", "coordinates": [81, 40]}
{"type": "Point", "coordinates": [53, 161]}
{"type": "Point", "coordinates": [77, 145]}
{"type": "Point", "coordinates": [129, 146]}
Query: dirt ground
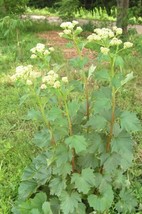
{"type": "Point", "coordinates": [53, 39]}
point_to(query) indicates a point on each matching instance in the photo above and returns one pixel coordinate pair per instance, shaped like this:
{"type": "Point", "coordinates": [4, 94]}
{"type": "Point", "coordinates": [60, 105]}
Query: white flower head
{"type": "Point", "coordinates": [46, 52]}
{"type": "Point", "coordinates": [46, 79]}
{"type": "Point", "coordinates": [115, 41]}
{"type": "Point", "coordinates": [114, 28]}
{"type": "Point", "coordinates": [104, 50]}
{"type": "Point", "coordinates": [40, 47]}
{"type": "Point", "coordinates": [65, 79]}
{"type": "Point", "coordinates": [33, 50]}
{"type": "Point", "coordinates": [110, 34]}
{"type": "Point", "coordinates": [79, 30]}
{"type": "Point", "coordinates": [51, 72]}
{"type": "Point", "coordinates": [119, 31]}
{"type": "Point", "coordinates": [90, 38]}
{"type": "Point", "coordinates": [128, 45]}
{"type": "Point", "coordinates": [13, 78]}
{"type": "Point", "coordinates": [67, 31]}
{"type": "Point", "coordinates": [34, 74]}
{"type": "Point", "coordinates": [43, 86]}
{"type": "Point", "coordinates": [33, 56]}
{"type": "Point", "coordinates": [74, 22]}
{"type": "Point", "coordinates": [29, 82]}
{"type": "Point", "coordinates": [67, 25]}
{"type": "Point", "coordinates": [51, 49]}
{"type": "Point", "coordinates": [57, 84]}
{"type": "Point", "coordinates": [94, 37]}
{"type": "Point", "coordinates": [61, 34]}
{"type": "Point", "coordinates": [21, 70]}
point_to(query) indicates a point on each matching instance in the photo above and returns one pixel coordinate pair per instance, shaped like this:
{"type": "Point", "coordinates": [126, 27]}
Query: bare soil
{"type": "Point", "coordinates": [53, 39]}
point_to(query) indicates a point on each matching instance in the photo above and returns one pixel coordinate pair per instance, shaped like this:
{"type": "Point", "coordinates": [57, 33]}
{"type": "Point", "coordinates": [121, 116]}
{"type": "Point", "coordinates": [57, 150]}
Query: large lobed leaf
{"type": "Point", "coordinates": [84, 181]}
{"type": "Point", "coordinates": [77, 142]}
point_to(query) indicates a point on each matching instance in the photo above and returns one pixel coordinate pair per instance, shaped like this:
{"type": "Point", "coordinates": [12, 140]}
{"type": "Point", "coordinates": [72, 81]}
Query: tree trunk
{"type": "Point", "coordinates": [122, 14]}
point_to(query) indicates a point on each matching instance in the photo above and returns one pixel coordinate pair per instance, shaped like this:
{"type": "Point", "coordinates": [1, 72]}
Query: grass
{"type": "Point", "coordinates": [16, 148]}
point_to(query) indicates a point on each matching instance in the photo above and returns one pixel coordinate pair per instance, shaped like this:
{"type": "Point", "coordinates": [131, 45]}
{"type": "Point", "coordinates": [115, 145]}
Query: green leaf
{"type": "Point", "coordinates": [123, 144]}
{"type": "Point", "coordinates": [102, 75]}
{"type": "Point", "coordinates": [63, 154]}
{"type": "Point", "coordinates": [110, 161]}
{"type": "Point", "coordinates": [26, 188]}
{"type": "Point", "coordinates": [84, 181]}
{"type": "Point", "coordinates": [46, 208]}
{"type": "Point", "coordinates": [38, 200]}
{"type": "Point", "coordinates": [96, 143]}
{"type": "Point", "coordinates": [102, 202]}
{"type": "Point", "coordinates": [69, 201]}
{"type": "Point", "coordinates": [128, 78]}
{"type": "Point", "coordinates": [35, 211]}
{"type": "Point", "coordinates": [130, 122]}
{"type": "Point", "coordinates": [57, 185]}
{"type": "Point", "coordinates": [55, 205]}
{"type": "Point", "coordinates": [117, 79]}
{"type": "Point", "coordinates": [127, 202]}
{"type": "Point", "coordinates": [119, 61]}
{"type": "Point", "coordinates": [33, 115]}
{"type": "Point", "coordinates": [102, 100]}
{"type": "Point", "coordinates": [43, 138]}
{"type": "Point", "coordinates": [73, 107]}
{"type": "Point", "coordinates": [91, 71]}
{"type": "Point", "coordinates": [78, 63]}
{"type": "Point", "coordinates": [54, 114]}
{"type": "Point", "coordinates": [23, 99]}
{"type": "Point", "coordinates": [86, 160]}
{"type": "Point", "coordinates": [77, 142]}
{"type": "Point", "coordinates": [64, 169]}
{"type": "Point", "coordinates": [69, 45]}
{"type": "Point", "coordinates": [35, 175]}
{"type": "Point", "coordinates": [81, 209]}
{"type": "Point", "coordinates": [33, 205]}
{"type": "Point", "coordinates": [97, 122]}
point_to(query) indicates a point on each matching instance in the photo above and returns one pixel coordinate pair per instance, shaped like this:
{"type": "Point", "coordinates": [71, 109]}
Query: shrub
{"type": "Point", "coordinates": [84, 136]}
{"type": "Point", "coordinates": [12, 7]}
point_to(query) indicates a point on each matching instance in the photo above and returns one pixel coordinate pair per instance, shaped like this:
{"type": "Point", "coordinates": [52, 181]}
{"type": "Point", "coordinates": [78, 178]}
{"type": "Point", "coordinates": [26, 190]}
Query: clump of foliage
{"type": "Point", "coordinates": [84, 137]}
{"type": "Point", "coordinates": [12, 7]}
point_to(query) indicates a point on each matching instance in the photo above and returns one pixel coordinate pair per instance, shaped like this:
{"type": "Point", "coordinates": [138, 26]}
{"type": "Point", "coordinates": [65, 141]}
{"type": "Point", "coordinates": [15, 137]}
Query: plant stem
{"type": "Point", "coordinates": [112, 121]}
{"type": "Point", "coordinates": [77, 48]}
{"type": "Point", "coordinates": [70, 133]}
{"type": "Point", "coordinates": [87, 100]}
{"type": "Point", "coordinates": [47, 123]}
{"type": "Point", "coordinates": [85, 80]}
{"type": "Point", "coordinates": [113, 108]}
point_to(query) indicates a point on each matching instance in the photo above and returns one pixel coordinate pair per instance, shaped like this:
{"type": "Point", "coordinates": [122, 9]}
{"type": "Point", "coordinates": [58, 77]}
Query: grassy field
{"type": "Point", "coordinates": [16, 149]}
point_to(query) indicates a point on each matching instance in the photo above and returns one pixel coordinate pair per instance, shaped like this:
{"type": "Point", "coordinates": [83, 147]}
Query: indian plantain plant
{"type": "Point", "coordinates": [85, 138]}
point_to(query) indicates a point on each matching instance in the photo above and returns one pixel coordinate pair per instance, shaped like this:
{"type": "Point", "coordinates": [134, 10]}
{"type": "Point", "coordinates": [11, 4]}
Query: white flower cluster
{"type": "Point", "coordinates": [100, 34]}
{"type": "Point", "coordinates": [115, 41]}
{"type": "Point", "coordinates": [52, 79]}
{"type": "Point", "coordinates": [104, 33]}
{"type": "Point", "coordinates": [117, 30]}
{"type": "Point", "coordinates": [128, 45]}
{"type": "Point", "coordinates": [69, 28]}
{"type": "Point", "coordinates": [40, 49]}
{"type": "Point", "coordinates": [25, 73]}
{"type": "Point", "coordinates": [108, 38]}
{"type": "Point", "coordinates": [104, 50]}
